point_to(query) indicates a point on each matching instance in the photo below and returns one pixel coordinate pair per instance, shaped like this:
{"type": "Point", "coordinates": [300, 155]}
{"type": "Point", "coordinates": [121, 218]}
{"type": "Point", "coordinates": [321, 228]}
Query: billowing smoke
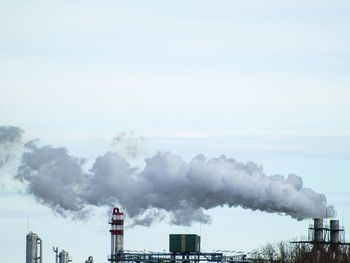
{"type": "Point", "coordinates": [167, 185]}
{"type": "Point", "coordinates": [55, 178]}
{"type": "Point", "coordinates": [185, 190]}
{"type": "Point", "coordinates": [9, 137]}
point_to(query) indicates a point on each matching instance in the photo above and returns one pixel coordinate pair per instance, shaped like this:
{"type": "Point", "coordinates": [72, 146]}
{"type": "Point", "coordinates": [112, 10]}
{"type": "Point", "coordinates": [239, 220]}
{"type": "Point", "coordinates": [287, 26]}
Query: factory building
{"type": "Point", "coordinates": [323, 234]}
{"type": "Point", "coordinates": [183, 248]}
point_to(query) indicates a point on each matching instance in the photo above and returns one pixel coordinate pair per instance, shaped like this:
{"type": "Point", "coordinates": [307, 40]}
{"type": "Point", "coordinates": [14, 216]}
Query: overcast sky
{"type": "Point", "coordinates": [263, 81]}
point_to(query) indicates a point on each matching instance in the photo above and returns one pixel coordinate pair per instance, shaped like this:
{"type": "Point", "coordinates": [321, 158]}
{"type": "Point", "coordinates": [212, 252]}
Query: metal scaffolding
{"type": "Point", "coordinates": [323, 234]}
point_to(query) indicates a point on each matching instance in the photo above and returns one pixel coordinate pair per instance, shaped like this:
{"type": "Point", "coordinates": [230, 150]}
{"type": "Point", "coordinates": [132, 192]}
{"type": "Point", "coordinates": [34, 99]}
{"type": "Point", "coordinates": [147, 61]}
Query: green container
{"type": "Point", "coordinates": [184, 243]}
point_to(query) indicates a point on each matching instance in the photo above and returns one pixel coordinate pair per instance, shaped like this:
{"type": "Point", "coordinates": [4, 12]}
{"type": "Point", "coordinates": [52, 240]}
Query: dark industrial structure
{"type": "Point", "coordinates": [183, 248]}
{"type": "Point", "coordinates": [180, 243]}
{"type": "Point", "coordinates": [323, 234]}
{"type": "Point", "coordinates": [186, 248]}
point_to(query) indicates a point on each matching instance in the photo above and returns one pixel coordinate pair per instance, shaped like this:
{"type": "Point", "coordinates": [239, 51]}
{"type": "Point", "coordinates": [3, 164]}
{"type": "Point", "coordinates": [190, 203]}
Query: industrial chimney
{"type": "Point", "coordinates": [318, 230]}
{"type": "Point", "coordinates": [117, 233]}
{"type": "Point", "coordinates": [334, 228]}
{"type": "Point", "coordinates": [33, 243]}
{"type": "Point", "coordinates": [320, 235]}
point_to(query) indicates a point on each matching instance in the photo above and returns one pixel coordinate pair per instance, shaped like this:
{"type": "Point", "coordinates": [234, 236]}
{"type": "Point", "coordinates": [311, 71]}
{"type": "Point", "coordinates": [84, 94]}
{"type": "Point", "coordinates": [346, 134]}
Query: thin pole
{"type": "Point", "coordinates": [56, 252]}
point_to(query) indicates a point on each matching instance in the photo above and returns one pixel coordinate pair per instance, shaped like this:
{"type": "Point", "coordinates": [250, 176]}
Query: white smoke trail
{"type": "Point", "coordinates": [167, 184]}
{"type": "Point", "coordinates": [187, 189]}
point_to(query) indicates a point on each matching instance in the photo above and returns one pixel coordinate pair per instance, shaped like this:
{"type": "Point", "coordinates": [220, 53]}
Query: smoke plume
{"type": "Point", "coordinates": [54, 177]}
{"type": "Point", "coordinates": [9, 137]}
{"type": "Point", "coordinates": [186, 190]}
{"type": "Point", "coordinates": [167, 185]}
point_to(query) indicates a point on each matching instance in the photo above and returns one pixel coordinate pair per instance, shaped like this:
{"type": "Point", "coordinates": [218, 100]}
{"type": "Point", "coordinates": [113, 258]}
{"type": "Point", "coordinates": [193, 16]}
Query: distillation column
{"type": "Point", "coordinates": [33, 242]}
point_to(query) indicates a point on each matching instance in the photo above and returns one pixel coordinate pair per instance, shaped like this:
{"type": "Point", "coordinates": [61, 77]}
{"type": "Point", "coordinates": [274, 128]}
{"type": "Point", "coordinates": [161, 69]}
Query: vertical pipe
{"type": "Point", "coordinates": [39, 243]}
{"type": "Point", "coordinates": [56, 253]}
{"type": "Point", "coordinates": [334, 226]}
{"type": "Point", "coordinates": [64, 256]}
{"type": "Point", "coordinates": [318, 230]}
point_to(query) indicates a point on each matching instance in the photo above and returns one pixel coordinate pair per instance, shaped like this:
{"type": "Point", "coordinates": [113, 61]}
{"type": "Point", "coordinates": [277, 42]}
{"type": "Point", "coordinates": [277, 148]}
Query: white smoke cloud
{"type": "Point", "coordinates": [9, 137]}
{"type": "Point", "coordinates": [149, 217]}
{"type": "Point", "coordinates": [129, 145]}
{"type": "Point", "coordinates": [55, 178]}
{"type": "Point", "coordinates": [166, 185]}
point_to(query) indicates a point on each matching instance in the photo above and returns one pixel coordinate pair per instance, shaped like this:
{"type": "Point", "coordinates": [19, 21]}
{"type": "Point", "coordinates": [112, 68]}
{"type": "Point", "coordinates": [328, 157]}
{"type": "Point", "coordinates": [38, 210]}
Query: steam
{"type": "Point", "coordinates": [54, 178]}
{"type": "Point", "coordinates": [129, 145]}
{"type": "Point", "coordinates": [185, 190]}
{"type": "Point", "coordinates": [9, 137]}
{"type": "Point", "coordinates": [167, 185]}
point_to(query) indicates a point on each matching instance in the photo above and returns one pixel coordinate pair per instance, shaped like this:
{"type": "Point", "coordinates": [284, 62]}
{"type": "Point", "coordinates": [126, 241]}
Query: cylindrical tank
{"type": "Point", "coordinates": [117, 232]}
{"type": "Point", "coordinates": [334, 226]}
{"type": "Point", "coordinates": [63, 257]}
{"type": "Point", "coordinates": [34, 244]}
{"type": "Point", "coordinates": [318, 228]}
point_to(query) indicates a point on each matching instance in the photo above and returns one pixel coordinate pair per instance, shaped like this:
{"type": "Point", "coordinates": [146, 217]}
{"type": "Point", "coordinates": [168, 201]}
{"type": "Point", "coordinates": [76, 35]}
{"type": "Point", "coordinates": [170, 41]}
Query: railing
{"type": "Point", "coordinates": [145, 257]}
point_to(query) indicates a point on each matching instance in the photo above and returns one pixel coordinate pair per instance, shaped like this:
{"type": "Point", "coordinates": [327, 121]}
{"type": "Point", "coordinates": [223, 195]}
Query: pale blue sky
{"type": "Point", "coordinates": [267, 81]}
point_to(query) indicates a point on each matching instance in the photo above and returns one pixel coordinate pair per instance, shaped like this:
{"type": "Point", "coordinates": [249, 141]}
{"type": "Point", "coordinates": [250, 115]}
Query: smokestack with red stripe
{"type": "Point", "coordinates": [117, 232]}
